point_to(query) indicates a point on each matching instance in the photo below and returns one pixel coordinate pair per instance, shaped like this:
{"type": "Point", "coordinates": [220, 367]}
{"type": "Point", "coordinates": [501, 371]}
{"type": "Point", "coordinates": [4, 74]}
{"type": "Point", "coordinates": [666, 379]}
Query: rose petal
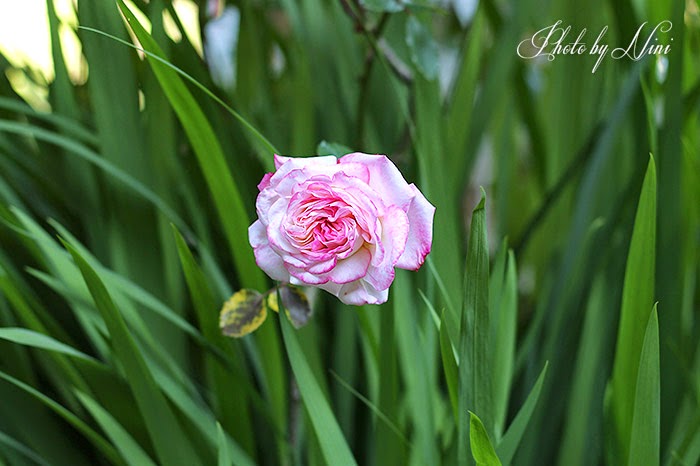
{"type": "Point", "coordinates": [384, 178]}
{"type": "Point", "coordinates": [265, 182]}
{"type": "Point", "coordinates": [257, 235]}
{"type": "Point", "coordinates": [271, 263]}
{"type": "Point", "coordinates": [340, 225]}
{"type": "Point", "coordinates": [305, 278]}
{"type": "Point", "coordinates": [420, 234]}
{"type": "Point", "coordinates": [394, 235]}
{"type": "Point", "coordinates": [289, 165]}
{"type": "Point", "coordinates": [352, 170]}
{"type": "Point", "coordinates": [351, 269]}
{"type": "Point", "coordinates": [264, 202]}
{"type": "Point", "coordinates": [298, 162]}
{"type": "Point", "coordinates": [267, 259]}
{"type": "Point", "coordinates": [323, 266]}
{"type": "Point", "coordinates": [380, 278]}
{"type": "Point", "coordinates": [332, 288]}
{"type": "Point", "coordinates": [275, 231]}
{"type": "Point", "coordinates": [395, 230]}
{"type": "Point", "coordinates": [360, 292]}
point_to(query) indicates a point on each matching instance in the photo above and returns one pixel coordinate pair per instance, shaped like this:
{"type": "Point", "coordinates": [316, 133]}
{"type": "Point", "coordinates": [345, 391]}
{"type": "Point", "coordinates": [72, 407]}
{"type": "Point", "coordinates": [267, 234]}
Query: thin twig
{"type": "Point", "coordinates": [402, 71]}
{"type": "Point", "coordinates": [350, 11]}
{"type": "Point", "coordinates": [356, 14]}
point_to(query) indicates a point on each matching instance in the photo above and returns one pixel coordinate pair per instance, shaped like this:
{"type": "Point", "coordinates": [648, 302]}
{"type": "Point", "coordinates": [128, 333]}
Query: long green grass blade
{"type": "Point", "coordinates": [389, 387]}
{"type": "Point", "coordinates": [150, 53]}
{"type": "Point", "coordinates": [172, 445]}
{"type": "Point", "coordinates": [449, 365]}
{"type": "Point", "coordinates": [227, 198]}
{"type": "Point", "coordinates": [505, 316]}
{"type": "Point", "coordinates": [508, 445]}
{"type": "Point", "coordinates": [224, 458]}
{"type": "Point", "coordinates": [482, 449]}
{"type": "Point", "coordinates": [131, 451]}
{"type": "Point", "coordinates": [475, 371]}
{"type": "Point", "coordinates": [23, 449]}
{"type": "Point", "coordinates": [414, 354]}
{"type": "Point", "coordinates": [96, 439]}
{"type": "Point", "coordinates": [69, 127]}
{"type": "Point", "coordinates": [377, 412]}
{"type": "Point", "coordinates": [235, 416]}
{"type": "Point", "coordinates": [86, 153]}
{"type": "Point", "coordinates": [587, 395]}
{"type": "Point", "coordinates": [27, 337]}
{"type": "Point", "coordinates": [333, 445]}
{"type": "Point", "coordinates": [637, 298]}
{"type": "Point", "coordinates": [646, 424]}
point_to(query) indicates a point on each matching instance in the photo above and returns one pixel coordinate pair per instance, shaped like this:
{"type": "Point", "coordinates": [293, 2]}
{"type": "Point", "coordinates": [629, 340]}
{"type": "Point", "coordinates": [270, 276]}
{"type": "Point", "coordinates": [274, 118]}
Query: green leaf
{"type": "Point", "coordinates": [224, 456]}
{"type": "Point", "coordinates": [200, 291]}
{"type": "Point", "coordinates": [332, 148]}
{"type": "Point", "coordinates": [482, 449]}
{"type": "Point", "coordinates": [446, 256]}
{"type": "Point", "coordinates": [475, 373]}
{"type": "Point", "coordinates": [389, 6]}
{"type": "Point", "coordinates": [264, 146]}
{"type": "Point", "coordinates": [27, 337]}
{"type": "Point", "coordinates": [333, 445]}
{"type": "Point", "coordinates": [422, 47]}
{"type": "Point", "coordinates": [79, 150]}
{"type": "Point", "coordinates": [200, 416]}
{"type": "Point", "coordinates": [646, 431]}
{"type": "Point", "coordinates": [130, 450]}
{"type": "Point", "coordinates": [509, 443]}
{"type": "Point", "coordinates": [243, 313]}
{"type": "Point", "coordinates": [637, 298]}
{"type": "Point", "coordinates": [594, 350]}
{"type": "Point", "coordinates": [23, 449]}
{"type": "Point", "coordinates": [227, 198]}
{"type": "Point", "coordinates": [170, 442]}
{"type": "Point", "coordinates": [449, 365]}
{"type": "Point", "coordinates": [505, 316]}
{"type": "Point", "coordinates": [268, 366]}
{"type": "Point", "coordinates": [96, 439]}
{"type": "Point", "coordinates": [388, 388]}
{"type": "Point", "coordinates": [415, 356]}
{"type": "Point", "coordinates": [372, 407]}
{"type": "Point", "coordinates": [66, 125]}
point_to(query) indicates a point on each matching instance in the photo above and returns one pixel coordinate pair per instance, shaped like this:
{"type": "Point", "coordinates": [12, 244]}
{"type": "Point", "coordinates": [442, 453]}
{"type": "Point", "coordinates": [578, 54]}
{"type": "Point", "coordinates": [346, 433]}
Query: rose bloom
{"type": "Point", "coordinates": [341, 225]}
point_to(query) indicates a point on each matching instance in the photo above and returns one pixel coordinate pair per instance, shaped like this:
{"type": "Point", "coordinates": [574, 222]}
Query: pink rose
{"type": "Point", "coordinates": [340, 224]}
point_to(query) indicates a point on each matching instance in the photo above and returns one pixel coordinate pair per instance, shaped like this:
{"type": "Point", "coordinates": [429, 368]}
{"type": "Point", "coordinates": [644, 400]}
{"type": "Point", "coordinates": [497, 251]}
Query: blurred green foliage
{"type": "Point", "coordinates": [124, 229]}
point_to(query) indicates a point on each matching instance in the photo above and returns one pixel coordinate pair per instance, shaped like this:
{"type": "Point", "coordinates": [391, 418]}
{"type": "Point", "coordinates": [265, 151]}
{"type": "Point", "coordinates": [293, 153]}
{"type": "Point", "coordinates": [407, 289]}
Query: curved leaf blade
{"type": "Point", "coordinates": [637, 299]}
{"type": "Point", "coordinates": [169, 440]}
{"type": "Point", "coordinates": [333, 445]}
{"type": "Point", "coordinates": [646, 431]}
{"type": "Point", "coordinates": [509, 443]}
{"type": "Point", "coordinates": [227, 198]}
{"type": "Point", "coordinates": [127, 446]}
{"type": "Point", "coordinates": [482, 449]}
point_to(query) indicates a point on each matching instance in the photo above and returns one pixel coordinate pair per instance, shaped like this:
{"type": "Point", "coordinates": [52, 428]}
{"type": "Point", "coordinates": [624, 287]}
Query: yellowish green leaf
{"type": "Point", "coordinates": [243, 313]}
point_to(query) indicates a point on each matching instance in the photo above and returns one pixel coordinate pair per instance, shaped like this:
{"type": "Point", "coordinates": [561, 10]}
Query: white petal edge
{"type": "Point", "coordinates": [420, 234]}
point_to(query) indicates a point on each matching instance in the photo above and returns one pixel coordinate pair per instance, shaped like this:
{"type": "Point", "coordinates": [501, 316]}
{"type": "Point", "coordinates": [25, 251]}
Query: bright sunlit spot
{"type": "Point", "coordinates": [26, 42]}
{"type": "Point", "coordinates": [24, 35]}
